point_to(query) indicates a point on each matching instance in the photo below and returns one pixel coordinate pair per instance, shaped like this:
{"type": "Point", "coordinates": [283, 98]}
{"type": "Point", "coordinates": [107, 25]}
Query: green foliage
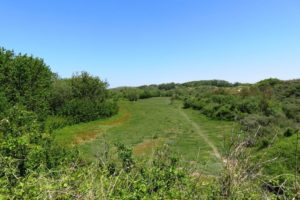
{"type": "Point", "coordinates": [150, 91]}
{"type": "Point", "coordinates": [217, 83]}
{"type": "Point", "coordinates": [4, 105]}
{"type": "Point", "coordinates": [163, 176]}
{"type": "Point", "coordinates": [292, 110]}
{"type": "Point", "coordinates": [269, 82]}
{"type": "Point", "coordinates": [265, 110]}
{"type": "Point", "coordinates": [131, 126]}
{"type": "Point", "coordinates": [55, 122]}
{"type": "Point", "coordinates": [125, 155]}
{"type": "Point", "coordinates": [132, 94]}
{"type": "Point", "coordinates": [25, 80]}
{"type": "Point", "coordinates": [81, 98]}
{"type": "Point", "coordinates": [24, 148]}
{"type": "Point", "coordinates": [32, 165]}
{"type": "Point", "coordinates": [28, 81]}
{"type": "Point", "coordinates": [219, 106]}
{"type": "Point", "coordinates": [285, 153]}
{"type": "Point", "coordinates": [84, 109]}
{"type": "Point", "coordinates": [289, 132]}
{"type": "Point", "coordinates": [61, 93]}
{"type": "Point", "coordinates": [51, 174]}
{"type": "Point", "coordinates": [142, 92]}
{"type": "Point", "coordinates": [248, 105]}
{"type": "Point", "coordinates": [84, 85]}
{"type": "Point", "coordinates": [167, 86]}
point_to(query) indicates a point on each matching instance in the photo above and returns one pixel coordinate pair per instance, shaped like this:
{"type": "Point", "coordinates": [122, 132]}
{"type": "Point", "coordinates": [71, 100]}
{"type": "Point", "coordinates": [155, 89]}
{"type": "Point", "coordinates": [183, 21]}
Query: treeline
{"type": "Point", "coordinates": [217, 83]}
{"type": "Point", "coordinates": [175, 90]}
{"type": "Point", "coordinates": [135, 93]}
{"type": "Point", "coordinates": [28, 81]}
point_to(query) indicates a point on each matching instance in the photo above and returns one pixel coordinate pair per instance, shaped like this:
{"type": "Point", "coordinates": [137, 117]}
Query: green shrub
{"type": "Point", "coordinates": [289, 132]}
{"type": "Point", "coordinates": [108, 108]}
{"type": "Point", "coordinates": [286, 156]}
{"type": "Point", "coordinates": [249, 106]}
{"type": "Point", "coordinates": [24, 148]}
{"type": "Point", "coordinates": [224, 113]}
{"type": "Point", "coordinates": [83, 110]}
{"type": "Point", "coordinates": [55, 122]}
{"type": "Point", "coordinates": [4, 105]}
{"type": "Point", "coordinates": [25, 80]}
{"type": "Point", "coordinates": [292, 110]}
{"type": "Point", "coordinates": [80, 99]}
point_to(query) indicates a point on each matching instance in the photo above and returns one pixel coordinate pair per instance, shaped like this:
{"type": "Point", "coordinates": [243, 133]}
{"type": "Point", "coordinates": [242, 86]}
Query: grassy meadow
{"type": "Point", "coordinates": [148, 124]}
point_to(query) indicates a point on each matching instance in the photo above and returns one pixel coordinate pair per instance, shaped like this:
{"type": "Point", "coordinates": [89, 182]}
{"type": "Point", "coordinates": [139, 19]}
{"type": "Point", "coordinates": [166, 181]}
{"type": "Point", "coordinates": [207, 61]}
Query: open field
{"type": "Point", "coordinates": [147, 124]}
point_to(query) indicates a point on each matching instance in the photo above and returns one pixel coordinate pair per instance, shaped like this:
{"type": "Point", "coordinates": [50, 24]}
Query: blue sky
{"type": "Point", "coordinates": [135, 42]}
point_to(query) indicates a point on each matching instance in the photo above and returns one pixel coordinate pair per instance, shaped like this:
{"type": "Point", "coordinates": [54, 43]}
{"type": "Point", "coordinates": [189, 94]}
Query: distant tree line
{"type": "Point", "coordinates": [167, 89]}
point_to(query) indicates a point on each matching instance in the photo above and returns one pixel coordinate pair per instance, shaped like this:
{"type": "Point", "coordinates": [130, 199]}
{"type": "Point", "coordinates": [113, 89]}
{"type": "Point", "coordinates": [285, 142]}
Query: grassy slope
{"type": "Point", "coordinates": [147, 124]}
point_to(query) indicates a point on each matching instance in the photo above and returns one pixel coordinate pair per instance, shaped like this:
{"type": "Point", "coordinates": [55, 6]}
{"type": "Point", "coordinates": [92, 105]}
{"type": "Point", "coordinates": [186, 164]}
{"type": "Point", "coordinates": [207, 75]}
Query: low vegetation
{"type": "Point", "coordinates": [73, 138]}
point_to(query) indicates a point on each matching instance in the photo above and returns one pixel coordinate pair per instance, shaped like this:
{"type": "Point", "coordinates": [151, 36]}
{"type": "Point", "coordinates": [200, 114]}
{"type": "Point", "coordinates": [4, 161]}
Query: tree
{"type": "Point", "coordinates": [132, 94]}
{"type": "Point", "coordinates": [87, 98]}
{"type": "Point", "coordinates": [86, 86]}
{"type": "Point", "coordinates": [25, 80]}
{"type": "Point", "coordinates": [61, 93]}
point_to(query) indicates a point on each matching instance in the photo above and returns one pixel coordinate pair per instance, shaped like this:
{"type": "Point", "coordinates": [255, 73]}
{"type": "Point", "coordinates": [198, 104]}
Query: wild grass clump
{"type": "Point", "coordinates": [114, 176]}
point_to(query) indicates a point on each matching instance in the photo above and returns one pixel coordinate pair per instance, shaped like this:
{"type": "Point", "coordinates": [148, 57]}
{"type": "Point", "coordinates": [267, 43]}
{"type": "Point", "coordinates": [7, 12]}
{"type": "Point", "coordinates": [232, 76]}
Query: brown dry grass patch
{"type": "Point", "coordinates": [84, 137]}
{"type": "Point", "coordinates": [120, 120]}
{"type": "Point", "coordinates": [92, 134]}
{"type": "Point", "coordinates": [146, 146]}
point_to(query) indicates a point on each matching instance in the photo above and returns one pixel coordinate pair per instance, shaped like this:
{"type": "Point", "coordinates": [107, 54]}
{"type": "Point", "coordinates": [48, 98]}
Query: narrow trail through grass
{"type": "Point", "coordinates": [199, 131]}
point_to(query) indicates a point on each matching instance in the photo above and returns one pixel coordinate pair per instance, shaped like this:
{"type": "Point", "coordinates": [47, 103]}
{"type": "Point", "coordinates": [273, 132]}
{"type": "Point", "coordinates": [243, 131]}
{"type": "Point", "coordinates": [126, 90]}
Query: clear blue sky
{"type": "Point", "coordinates": [135, 42]}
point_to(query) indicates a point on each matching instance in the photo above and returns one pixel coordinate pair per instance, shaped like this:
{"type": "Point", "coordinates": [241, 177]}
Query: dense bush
{"type": "Point", "coordinates": [82, 110]}
{"type": "Point", "coordinates": [118, 175]}
{"type": "Point", "coordinates": [263, 99]}
{"type": "Point", "coordinates": [3, 104]}
{"type": "Point", "coordinates": [25, 80]}
{"type": "Point", "coordinates": [266, 111]}
{"type": "Point", "coordinates": [287, 159]}
{"type": "Point", "coordinates": [61, 92]}
{"type": "Point", "coordinates": [132, 94]}
{"type": "Point", "coordinates": [24, 148]}
{"type": "Point", "coordinates": [142, 92]}
{"type": "Point", "coordinates": [55, 122]}
{"type": "Point", "coordinates": [219, 106]}
{"type": "Point", "coordinates": [292, 110]}
{"type": "Point", "coordinates": [82, 98]}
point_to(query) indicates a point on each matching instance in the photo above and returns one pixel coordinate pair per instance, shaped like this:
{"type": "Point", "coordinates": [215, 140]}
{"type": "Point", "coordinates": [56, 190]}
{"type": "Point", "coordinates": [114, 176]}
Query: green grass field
{"type": "Point", "coordinates": [147, 124]}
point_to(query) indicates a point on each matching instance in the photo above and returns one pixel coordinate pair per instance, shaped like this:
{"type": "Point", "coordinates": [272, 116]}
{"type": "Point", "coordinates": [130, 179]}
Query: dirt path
{"type": "Point", "coordinates": [199, 131]}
